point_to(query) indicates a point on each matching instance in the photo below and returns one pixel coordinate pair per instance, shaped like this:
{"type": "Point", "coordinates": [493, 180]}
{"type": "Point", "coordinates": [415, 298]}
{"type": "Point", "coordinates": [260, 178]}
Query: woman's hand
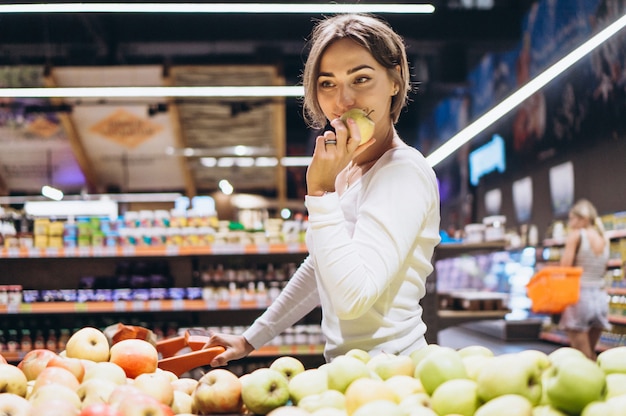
{"type": "Point", "coordinates": [236, 347]}
{"type": "Point", "coordinates": [330, 159]}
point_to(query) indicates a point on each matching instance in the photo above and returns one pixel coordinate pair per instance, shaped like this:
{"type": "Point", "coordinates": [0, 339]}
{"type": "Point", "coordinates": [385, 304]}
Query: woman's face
{"type": "Point", "coordinates": [575, 221]}
{"type": "Point", "coordinates": [349, 77]}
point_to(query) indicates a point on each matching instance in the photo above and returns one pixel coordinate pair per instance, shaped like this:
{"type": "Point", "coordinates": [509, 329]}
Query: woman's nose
{"type": "Point", "coordinates": [345, 98]}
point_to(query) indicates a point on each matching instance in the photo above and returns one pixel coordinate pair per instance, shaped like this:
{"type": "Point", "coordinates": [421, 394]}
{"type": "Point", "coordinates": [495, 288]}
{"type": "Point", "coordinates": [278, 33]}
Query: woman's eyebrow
{"type": "Point", "coordinates": [350, 71]}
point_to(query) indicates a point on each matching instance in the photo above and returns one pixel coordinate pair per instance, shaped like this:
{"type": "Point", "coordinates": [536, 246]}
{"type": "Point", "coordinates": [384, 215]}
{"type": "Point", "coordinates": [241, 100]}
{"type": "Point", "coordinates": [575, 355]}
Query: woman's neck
{"type": "Point", "coordinates": [379, 148]}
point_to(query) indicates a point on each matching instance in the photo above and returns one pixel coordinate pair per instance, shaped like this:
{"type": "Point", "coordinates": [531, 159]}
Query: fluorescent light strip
{"type": "Point", "coordinates": [512, 101]}
{"type": "Point", "coordinates": [239, 8]}
{"type": "Point", "coordinates": [145, 92]}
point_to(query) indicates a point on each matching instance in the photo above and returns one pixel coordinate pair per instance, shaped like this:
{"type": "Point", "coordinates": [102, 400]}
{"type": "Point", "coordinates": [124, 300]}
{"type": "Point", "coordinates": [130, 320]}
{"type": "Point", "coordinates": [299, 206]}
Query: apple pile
{"type": "Point", "coordinates": [93, 378]}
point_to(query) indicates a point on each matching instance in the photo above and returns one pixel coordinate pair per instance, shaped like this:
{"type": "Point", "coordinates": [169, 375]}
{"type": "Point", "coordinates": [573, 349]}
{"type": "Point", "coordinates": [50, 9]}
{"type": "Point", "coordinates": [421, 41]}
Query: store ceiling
{"type": "Point", "coordinates": [143, 49]}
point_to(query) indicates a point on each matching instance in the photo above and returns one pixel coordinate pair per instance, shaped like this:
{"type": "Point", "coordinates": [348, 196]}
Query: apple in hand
{"type": "Point", "coordinates": [309, 382]}
{"type": "Point", "coordinates": [35, 361]}
{"type": "Point", "coordinates": [613, 360]}
{"type": "Point", "coordinates": [507, 404]}
{"type": "Point", "coordinates": [14, 405]}
{"type": "Point", "coordinates": [510, 374]}
{"type": "Point", "coordinates": [438, 366]}
{"type": "Point", "coordinates": [457, 396]}
{"type": "Point", "coordinates": [218, 391]}
{"type": "Point", "coordinates": [343, 370]}
{"type": "Point", "coordinates": [363, 122]}
{"type": "Point", "coordinates": [264, 390]}
{"type": "Point", "coordinates": [289, 366]}
{"type": "Point", "coordinates": [12, 380]}
{"type": "Point", "coordinates": [88, 343]}
{"type": "Point", "coordinates": [135, 356]}
{"type": "Point", "coordinates": [387, 365]}
{"type": "Point", "coordinates": [574, 382]}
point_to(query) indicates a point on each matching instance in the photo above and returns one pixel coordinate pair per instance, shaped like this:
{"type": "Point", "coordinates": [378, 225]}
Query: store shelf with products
{"type": "Point", "coordinates": [207, 286]}
{"type": "Point", "coordinates": [438, 312]}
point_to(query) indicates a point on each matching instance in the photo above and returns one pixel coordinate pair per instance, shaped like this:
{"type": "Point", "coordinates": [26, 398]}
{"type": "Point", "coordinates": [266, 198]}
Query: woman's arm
{"type": "Point", "coordinates": [571, 247]}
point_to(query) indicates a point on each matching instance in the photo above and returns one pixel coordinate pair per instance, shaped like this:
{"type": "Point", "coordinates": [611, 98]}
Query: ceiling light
{"type": "Point", "coordinates": [238, 8]}
{"type": "Point", "coordinates": [52, 193]}
{"type": "Point", "coordinates": [512, 101]}
{"type": "Point", "coordinates": [145, 92]}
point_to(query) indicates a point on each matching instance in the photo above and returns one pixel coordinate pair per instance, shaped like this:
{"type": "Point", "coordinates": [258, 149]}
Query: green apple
{"type": "Point", "coordinates": [507, 404]}
{"type": "Point", "coordinates": [615, 384]}
{"type": "Point", "coordinates": [438, 366]}
{"type": "Point", "coordinates": [416, 401]}
{"type": "Point", "coordinates": [343, 370]}
{"type": "Point", "coordinates": [379, 408]}
{"type": "Point", "coordinates": [613, 360]}
{"type": "Point", "coordinates": [457, 396]}
{"type": "Point", "coordinates": [475, 350]}
{"type": "Point", "coordinates": [597, 408]}
{"type": "Point", "coordinates": [263, 390]}
{"type": "Point", "coordinates": [360, 354]}
{"type": "Point", "coordinates": [574, 382]}
{"type": "Point", "coordinates": [365, 390]}
{"type": "Point", "coordinates": [563, 353]}
{"type": "Point", "coordinates": [539, 357]}
{"type": "Point", "coordinates": [510, 374]}
{"type": "Point", "coordinates": [418, 355]}
{"type": "Point", "coordinates": [473, 364]}
{"type": "Point", "coordinates": [547, 410]}
{"type": "Point", "coordinates": [363, 122]}
{"type": "Point", "coordinates": [403, 386]}
{"type": "Point", "coordinates": [307, 383]}
{"type": "Point", "coordinates": [328, 398]}
{"type": "Point", "coordinates": [289, 366]}
{"type": "Point", "coordinates": [387, 365]}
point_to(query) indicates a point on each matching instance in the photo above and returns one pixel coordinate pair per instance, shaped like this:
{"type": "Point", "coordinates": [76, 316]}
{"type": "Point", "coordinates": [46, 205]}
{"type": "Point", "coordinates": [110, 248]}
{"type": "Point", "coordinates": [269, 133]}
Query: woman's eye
{"type": "Point", "coordinates": [361, 80]}
{"type": "Point", "coordinates": [325, 84]}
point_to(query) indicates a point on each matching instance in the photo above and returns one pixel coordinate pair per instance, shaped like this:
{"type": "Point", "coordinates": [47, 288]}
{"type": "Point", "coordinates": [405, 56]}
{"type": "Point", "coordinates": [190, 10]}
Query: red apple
{"type": "Point", "coordinates": [218, 391]}
{"type": "Point", "coordinates": [100, 409]}
{"type": "Point", "coordinates": [89, 344]}
{"type": "Point", "coordinates": [14, 405]}
{"type": "Point", "coordinates": [157, 385]}
{"type": "Point", "coordinates": [74, 365]}
{"type": "Point", "coordinates": [143, 405]}
{"type": "Point", "coordinates": [135, 356]}
{"type": "Point", "coordinates": [56, 375]}
{"type": "Point", "coordinates": [35, 361]}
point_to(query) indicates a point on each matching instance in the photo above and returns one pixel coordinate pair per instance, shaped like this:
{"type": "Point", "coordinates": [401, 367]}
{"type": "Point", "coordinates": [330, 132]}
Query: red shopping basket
{"type": "Point", "coordinates": [553, 288]}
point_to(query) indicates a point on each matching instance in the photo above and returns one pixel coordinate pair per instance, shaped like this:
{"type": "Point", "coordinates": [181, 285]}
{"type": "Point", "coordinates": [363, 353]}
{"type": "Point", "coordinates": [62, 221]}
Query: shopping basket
{"type": "Point", "coordinates": [554, 288]}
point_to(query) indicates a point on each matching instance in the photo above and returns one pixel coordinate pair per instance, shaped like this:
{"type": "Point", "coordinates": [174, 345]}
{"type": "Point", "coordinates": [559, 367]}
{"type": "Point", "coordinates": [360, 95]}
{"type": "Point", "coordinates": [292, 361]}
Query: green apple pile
{"type": "Point", "coordinates": [92, 378]}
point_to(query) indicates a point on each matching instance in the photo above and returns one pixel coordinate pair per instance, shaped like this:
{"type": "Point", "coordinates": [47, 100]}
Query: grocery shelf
{"type": "Point", "coordinates": [152, 251]}
{"type": "Point", "coordinates": [616, 319]}
{"type": "Point", "coordinates": [562, 340]}
{"type": "Point", "coordinates": [449, 318]}
{"type": "Point", "coordinates": [196, 305]}
{"type": "Point", "coordinates": [616, 290]}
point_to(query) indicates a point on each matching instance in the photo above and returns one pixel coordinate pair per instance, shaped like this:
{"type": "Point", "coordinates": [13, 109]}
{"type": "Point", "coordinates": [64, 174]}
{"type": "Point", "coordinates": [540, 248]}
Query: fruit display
{"type": "Point", "coordinates": [97, 377]}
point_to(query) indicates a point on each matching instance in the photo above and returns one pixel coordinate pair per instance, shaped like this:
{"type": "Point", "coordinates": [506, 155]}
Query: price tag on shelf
{"type": "Point", "coordinates": [293, 248]}
{"type": "Point", "coordinates": [178, 304]}
{"type": "Point", "coordinates": [119, 306]}
{"type": "Point", "coordinates": [109, 251]}
{"type": "Point", "coordinates": [52, 252]}
{"type": "Point", "coordinates": [263, 248]}
{"type": "Point", "coordinates": [34, 253]}
{"type": "Point", "coordinates": [138, 305]}
{"type": "Point", "coordinates": [13, 252]}
{"type": "Point", "coordinates": [84, 252]}
{"type": "Point", "coordinates": [97, 251]}
{"type": "Point", "coordinates": [80, 307]}
{"type": "Point", "coordinates": [155, 305]}
{"type": "Point", "coordinates": [172, 250]}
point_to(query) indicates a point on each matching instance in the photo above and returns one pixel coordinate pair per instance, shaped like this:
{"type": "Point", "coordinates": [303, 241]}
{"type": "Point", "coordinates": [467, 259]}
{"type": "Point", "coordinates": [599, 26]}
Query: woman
{"type": "Point", "coordinates": [587, 247]}
{"type": "Point", "coordinates": [373, 208]}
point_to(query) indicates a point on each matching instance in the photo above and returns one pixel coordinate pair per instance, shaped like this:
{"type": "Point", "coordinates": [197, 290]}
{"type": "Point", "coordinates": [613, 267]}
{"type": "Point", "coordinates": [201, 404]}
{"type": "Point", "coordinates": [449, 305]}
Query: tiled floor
{"type": "Point", "coordinates": [461, 336]}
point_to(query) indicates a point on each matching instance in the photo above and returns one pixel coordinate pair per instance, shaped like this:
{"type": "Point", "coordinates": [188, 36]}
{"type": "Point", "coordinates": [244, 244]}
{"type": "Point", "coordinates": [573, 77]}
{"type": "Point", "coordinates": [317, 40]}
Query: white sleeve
{"type": "Point", "coordinates": [393, 218]}
{"type": "Point", "coordinates": [298, 298]}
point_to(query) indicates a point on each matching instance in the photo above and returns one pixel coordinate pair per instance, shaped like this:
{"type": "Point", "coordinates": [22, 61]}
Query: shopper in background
{"type": "Point", "coordinates": [373, 208]}
{"type": "Point", "coordinates": [586, 246]}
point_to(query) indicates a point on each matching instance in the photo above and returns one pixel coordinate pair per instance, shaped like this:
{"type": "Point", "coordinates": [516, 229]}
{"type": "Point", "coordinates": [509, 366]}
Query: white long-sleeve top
{"type": "Point", "coordinates": [370, 254]}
